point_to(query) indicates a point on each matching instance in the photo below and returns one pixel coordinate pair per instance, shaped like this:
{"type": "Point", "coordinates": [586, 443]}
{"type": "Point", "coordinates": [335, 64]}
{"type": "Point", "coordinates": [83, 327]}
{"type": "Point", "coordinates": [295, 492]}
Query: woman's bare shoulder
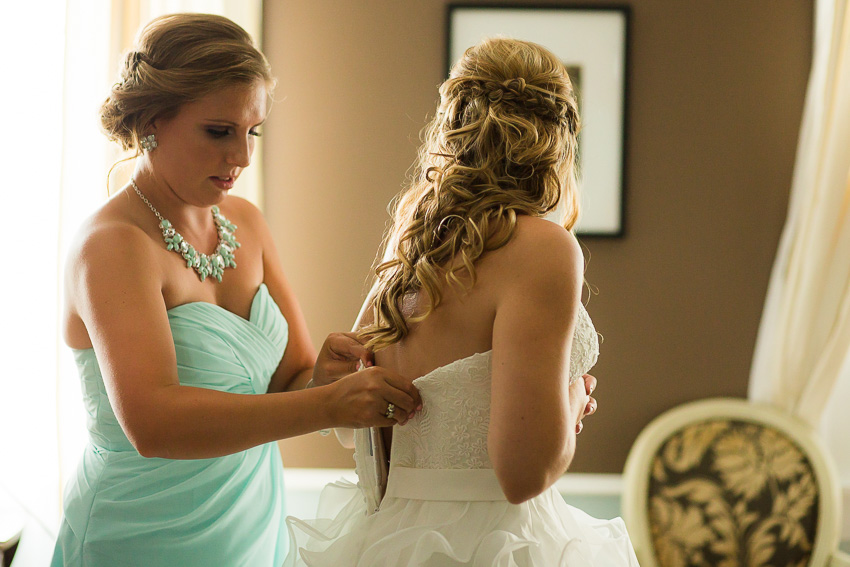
{"type": "Point", "coordinates": [110, 237]}
{"type": "Point", "coordinates": [540, 244]}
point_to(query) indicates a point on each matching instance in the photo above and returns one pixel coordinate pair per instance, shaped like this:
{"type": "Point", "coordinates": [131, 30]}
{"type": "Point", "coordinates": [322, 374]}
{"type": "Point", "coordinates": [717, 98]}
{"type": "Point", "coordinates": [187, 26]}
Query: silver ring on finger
{"type": "Point", "coordinates": [390, 411]}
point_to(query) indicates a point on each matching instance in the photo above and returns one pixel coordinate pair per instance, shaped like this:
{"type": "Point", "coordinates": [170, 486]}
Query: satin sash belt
{"type": "Point", "coordinates": [448, 485]}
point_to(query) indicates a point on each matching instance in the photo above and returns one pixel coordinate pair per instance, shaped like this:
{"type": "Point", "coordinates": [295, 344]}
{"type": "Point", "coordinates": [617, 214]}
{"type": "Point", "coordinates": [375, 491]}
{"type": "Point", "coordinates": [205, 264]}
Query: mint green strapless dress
{"type": "Point", "coordinates": [125, 509]}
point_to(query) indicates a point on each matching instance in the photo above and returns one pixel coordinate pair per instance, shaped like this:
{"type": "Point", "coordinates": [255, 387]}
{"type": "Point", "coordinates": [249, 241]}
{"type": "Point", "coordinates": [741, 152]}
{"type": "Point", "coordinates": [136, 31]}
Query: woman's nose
{"type": "Point", "coordinates": [240, 153]}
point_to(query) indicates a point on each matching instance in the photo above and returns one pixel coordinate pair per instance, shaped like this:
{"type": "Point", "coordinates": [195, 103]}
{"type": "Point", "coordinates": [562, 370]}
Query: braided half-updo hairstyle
{"type": "Point", "coordinates": [502, 144]}
{"type": "Point", "coordinates": [176, 59]}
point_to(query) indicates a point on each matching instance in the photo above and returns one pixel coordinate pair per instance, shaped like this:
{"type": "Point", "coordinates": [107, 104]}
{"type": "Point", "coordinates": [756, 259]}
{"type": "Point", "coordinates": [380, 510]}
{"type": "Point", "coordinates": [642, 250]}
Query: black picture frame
{"type": "Point", "coordinates": [593, 42]}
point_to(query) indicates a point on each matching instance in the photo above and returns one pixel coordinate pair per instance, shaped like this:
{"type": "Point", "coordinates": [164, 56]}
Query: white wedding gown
{"type": "Point", "coordinates": [443, 504]}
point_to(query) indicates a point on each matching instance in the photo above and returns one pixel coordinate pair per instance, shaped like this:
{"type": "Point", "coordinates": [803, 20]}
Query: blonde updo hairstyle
{"type": "Point", "coordinates": [178, 58]}
{"type": "Point", "coordinates": [502, 144]}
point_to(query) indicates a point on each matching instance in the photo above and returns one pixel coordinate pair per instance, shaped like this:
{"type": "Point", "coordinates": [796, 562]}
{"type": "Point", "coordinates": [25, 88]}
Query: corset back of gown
{"type": "Point", "coordinates": [443, 504]}
{"type": "Point", "coordinates": [450, 432]}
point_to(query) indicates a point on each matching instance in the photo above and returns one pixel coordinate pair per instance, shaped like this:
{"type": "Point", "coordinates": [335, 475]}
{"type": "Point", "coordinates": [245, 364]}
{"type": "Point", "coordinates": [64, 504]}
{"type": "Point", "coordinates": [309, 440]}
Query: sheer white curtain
{"type": "Point", "coordinates": [63, 56]}
{"type": "Point", "coordinates": [801, 357]}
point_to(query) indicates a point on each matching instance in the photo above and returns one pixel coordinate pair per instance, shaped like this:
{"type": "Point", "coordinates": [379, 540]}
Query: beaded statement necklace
{"type": "Point", "coordinates": [206, 266]}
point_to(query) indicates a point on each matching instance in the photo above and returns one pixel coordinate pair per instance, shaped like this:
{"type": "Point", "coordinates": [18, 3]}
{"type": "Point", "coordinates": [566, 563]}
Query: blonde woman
{"type": "Point", "coordinates": [479, 297]}
{"type": "Point", "coordinates": [191, 347]}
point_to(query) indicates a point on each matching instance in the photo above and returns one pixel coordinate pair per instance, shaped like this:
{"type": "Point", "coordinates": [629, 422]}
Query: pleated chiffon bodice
{"type": "Point", "coordinates": [215, 349]}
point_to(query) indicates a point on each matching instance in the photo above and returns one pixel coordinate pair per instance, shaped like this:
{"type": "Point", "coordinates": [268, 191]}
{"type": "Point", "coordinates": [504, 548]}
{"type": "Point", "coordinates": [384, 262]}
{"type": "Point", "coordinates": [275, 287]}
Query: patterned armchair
{"type": "Point", "coordinates": [729, 483]}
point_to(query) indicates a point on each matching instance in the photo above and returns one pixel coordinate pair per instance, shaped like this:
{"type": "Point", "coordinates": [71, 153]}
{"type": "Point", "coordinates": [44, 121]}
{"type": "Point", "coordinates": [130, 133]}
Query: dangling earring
{"type": "Point", "coordinates": [148, 142]}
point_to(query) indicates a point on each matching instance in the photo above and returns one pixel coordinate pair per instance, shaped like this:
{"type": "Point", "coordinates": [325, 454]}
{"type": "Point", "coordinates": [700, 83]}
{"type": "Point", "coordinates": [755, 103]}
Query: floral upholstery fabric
{"type": "Point", "coordinates": [732, 493]}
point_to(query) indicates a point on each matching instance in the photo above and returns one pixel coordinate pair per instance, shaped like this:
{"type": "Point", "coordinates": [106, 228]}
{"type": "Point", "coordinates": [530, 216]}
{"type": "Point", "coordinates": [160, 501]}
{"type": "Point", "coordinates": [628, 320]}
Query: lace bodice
{"type": "Point", "coordinates": [441, 502]}
{"type": "Point", "coordinates": [450, 432]}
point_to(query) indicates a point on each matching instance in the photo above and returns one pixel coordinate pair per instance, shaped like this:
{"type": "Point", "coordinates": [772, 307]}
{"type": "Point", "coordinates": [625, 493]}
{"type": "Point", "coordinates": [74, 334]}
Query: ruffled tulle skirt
{"type": "Point", "coordinates": [424, 520]}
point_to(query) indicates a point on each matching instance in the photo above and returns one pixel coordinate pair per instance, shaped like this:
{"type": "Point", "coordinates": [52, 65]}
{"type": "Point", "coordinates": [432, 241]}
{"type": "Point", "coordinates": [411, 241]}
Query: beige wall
{"type": "Point", "coordinates": [714, 104]}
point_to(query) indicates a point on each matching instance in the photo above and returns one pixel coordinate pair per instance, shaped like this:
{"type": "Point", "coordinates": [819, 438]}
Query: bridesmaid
{"type": "Point", "coordinates": [192, 350]}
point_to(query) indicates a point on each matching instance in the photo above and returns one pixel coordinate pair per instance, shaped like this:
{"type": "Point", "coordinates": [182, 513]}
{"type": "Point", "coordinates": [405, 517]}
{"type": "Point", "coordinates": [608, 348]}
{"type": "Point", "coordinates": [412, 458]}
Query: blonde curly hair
{"type": "Point", "coordinates": [502, 144]}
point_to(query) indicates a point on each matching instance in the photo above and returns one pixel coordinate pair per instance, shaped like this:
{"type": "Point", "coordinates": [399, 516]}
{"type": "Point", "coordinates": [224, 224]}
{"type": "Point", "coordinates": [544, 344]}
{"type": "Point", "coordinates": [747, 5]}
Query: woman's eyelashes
{"type": "Point", "coordinates": [218, 132]}
{"type": "Point", "coordinates": [222, 132]}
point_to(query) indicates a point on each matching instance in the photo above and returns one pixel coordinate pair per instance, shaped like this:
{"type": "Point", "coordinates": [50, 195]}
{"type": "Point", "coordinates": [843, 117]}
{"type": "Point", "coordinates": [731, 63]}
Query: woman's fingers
{"type": "Point", "coordinates": [590, 383]}
{"type": "Point", "coordinates": [338, 368]}
{"type": "Point", "coordinates": [341, 354]}
{"type": "Point", "coordinates": [365, 397]}
{"type": "Point", "coordinates": [399, 392]}
{"type": "Point", "coordinates": [590, 409]}
{"type": "Point", "coordinates": [395, 416]}
{"type": "Point", "coordinates": [403, 406]}
{"type": "Point", "coordinates": [400, 398]}
{"type": "Point", "coordinates": [348, 347]}
{"type": "Point", "coordinates": [578, 399]}
{"type": "Point", "coordinates": [402, 385]}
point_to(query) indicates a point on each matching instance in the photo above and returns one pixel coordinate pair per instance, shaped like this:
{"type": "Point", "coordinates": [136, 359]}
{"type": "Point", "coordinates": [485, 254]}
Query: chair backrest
{"type": "Point", "coordinates": [726, 482]}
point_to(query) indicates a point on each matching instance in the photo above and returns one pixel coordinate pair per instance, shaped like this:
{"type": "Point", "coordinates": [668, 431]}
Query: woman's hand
{"type": "Point", "coordinates": [340, 356]}
{"type": "Point", "coordinates": [590, 408]}
{"type": "Point", "coordinates": [372, 397]}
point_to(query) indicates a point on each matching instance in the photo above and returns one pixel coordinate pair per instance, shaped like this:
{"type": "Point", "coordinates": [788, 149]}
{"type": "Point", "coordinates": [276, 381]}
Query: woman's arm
{"type": "Point", "coordinates": [534, 410]}
{"type": "Point", "coordinates": [116, 289]}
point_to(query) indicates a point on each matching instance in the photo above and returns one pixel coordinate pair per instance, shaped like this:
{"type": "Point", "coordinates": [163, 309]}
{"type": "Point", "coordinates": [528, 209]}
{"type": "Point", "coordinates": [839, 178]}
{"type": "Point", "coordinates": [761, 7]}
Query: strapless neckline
{"type": "Point", "coordinates": [454, 363]}
{"type": "Point", "coordinates": [216, 306]}
{"type": "Point", "coordinates": [261, 290]}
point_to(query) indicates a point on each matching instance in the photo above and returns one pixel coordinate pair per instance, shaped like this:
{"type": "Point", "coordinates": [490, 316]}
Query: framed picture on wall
{"type": "Point", "coordinates": [592, 43]}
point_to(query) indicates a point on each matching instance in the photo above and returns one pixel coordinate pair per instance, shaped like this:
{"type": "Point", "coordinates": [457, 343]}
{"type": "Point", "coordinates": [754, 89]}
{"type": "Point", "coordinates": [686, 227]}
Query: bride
{"type": "Point", "coordinates": [479, 296]}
